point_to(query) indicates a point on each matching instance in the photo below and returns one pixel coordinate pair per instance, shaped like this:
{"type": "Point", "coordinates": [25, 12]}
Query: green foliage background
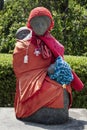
{"type": "Point", "coordinates": [70, 17]}
{"type": "Point", "coordinates": [8, 82]}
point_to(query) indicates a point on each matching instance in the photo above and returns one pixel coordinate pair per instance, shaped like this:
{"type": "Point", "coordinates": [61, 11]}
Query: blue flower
{"type": "Point", "coordinates": [62, 72]}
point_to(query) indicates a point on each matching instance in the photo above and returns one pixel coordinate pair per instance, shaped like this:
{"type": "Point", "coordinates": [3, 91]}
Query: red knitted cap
{"type": "Point", "coordinates": [40, 11]}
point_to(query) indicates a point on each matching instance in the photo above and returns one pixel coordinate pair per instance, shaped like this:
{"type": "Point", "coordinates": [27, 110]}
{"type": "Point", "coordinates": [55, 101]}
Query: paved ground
{"type": "Point", "coordinates": [77, 121]}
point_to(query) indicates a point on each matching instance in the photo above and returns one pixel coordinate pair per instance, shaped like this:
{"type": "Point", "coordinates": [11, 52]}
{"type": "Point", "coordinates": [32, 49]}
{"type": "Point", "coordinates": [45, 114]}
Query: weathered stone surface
{"type": "Point", "coordinates": [51, 116]}
{"type": "Point", "coordinates": [77, 121]}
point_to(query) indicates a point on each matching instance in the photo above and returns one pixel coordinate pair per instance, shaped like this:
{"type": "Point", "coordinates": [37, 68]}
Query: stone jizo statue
{"type": "Point", "coordinates": [39, 98]}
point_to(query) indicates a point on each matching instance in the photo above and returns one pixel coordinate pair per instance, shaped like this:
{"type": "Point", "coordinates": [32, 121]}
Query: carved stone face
{"type": "Point", "coordinates": [23, 33]}
{"type": "Point", "coordinates": [40, 24]}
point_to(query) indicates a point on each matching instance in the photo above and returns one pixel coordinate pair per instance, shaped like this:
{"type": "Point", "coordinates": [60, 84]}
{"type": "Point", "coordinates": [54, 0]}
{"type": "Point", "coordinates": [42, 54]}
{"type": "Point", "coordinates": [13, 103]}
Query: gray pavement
{"type": "Point", "coordinates": [77, 121]}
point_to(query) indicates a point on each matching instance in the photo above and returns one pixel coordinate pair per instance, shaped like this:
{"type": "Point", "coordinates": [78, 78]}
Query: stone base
{"type": "Point", "coordinates": [51, 116]}
{"type": "Point", "coordinates": [77, 121]}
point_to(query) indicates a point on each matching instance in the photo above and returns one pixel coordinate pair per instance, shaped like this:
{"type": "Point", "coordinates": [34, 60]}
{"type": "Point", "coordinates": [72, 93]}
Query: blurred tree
{"type": "Point", "coordinates": [1, 4]}
{"type": "Point", "coordinates": [82, 3]}
{"type": "Point", "coordinates": [70, 26]}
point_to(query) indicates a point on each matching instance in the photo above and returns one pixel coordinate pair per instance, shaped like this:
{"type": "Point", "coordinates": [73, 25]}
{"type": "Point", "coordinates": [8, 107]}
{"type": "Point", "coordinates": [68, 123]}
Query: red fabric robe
{"type": "Point", "coordinates": [58, 50]}
{"type": "Point", "coordinates": [34, 89]}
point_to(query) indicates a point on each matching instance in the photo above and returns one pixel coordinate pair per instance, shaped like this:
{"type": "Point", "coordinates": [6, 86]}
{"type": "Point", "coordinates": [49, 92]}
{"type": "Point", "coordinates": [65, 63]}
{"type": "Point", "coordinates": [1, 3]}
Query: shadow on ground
{"type": "Point", "coordinates": [71, 124]}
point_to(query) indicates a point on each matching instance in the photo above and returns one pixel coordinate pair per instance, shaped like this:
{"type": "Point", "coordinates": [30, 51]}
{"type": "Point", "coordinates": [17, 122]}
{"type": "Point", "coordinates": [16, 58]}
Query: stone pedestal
{"type": "Point", "coordinates": [51, 116]}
